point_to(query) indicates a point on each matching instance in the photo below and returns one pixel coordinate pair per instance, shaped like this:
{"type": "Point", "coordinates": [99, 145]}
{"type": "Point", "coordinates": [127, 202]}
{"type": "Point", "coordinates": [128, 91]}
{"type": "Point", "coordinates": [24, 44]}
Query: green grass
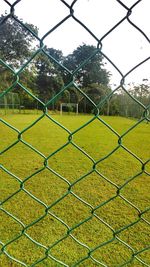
{"type": "Point", "coordinates": [70, 173]}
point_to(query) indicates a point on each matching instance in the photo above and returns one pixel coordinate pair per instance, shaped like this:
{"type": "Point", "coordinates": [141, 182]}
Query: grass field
{"type": "Point", "coordinates": [78, 165]}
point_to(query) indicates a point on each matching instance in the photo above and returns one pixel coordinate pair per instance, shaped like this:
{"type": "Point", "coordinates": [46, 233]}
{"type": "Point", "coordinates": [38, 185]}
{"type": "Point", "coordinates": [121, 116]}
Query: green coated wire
{"type": "Point", "coordinates": [47, 210]}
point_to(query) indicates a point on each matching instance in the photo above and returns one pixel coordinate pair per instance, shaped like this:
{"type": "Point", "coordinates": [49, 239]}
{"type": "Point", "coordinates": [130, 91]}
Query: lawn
{"type": "Point", "coordinates": [72, 201]}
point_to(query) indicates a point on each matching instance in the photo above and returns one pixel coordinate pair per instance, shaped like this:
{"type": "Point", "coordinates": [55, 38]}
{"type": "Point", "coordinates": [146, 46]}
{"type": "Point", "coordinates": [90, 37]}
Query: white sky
{"type": "Point", "coordinates": [125, 46]}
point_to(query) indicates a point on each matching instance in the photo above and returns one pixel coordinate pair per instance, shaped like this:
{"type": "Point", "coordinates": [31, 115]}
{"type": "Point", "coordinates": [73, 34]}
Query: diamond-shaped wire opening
{"type": "Point", "coordinates": [119, 166]}
{"type": "Point", "coordinates": [117, 213]}
{"type": "Point", "coordinates": [83, 58]}
{"type": "Point", "coordinates": [64, 101]}
{"type": "Point", "coordinates": [93, 233]}
{"type": "Point", "coordinates": [97, 190]}
{"type": "Point", "coordinates": [28, 99]}
{"type": "Point", "coordinates": [12, 159]}
{"type": "Point", "coordinates": [70, 97]}
{"type": "Point", "coordinates": [54, 56]}
{"type": "Point", "coordinates": [93, 11]}
{"type": "Point", "coordinates": [119, 39]}
{"type": "Point", "coordinates": [114, 252]}
{"type": "Point", "coordinates": [70, 162]}
{"type": "Point", "coordinates": [96, 139]}
{"type": "Point", "coordinates": [46, 136]}
{"type": "Point", "coordinates": [71, 27]}
{"type": "Point", "coordinates": [99, 94]}
{"type": "Point", "coordinates": [71, 210]}
{"type": "Point", "coordinates": [47, 231]}
{"type": "Point", "coordinates": [24, 207]}
{"type": "Point", "coordinates": [43, 69]}
{"type": "Point", "coordinates": [72, 122]}
{"type": "Point", "coordinates": [46, 186]}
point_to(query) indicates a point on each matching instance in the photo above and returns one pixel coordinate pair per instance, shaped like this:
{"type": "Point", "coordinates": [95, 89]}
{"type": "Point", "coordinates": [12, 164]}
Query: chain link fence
{"type": "Point", "coordinates": [67, 244]}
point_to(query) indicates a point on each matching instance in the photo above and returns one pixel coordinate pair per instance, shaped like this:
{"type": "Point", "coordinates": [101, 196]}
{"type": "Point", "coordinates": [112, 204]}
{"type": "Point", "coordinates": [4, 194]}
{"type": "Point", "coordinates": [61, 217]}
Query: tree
{"type": "Point", "coordinates": [97, 93]}
{"type": "Point", "coordinates": [49, 79]}
{"type": "Point", "coordinates": [16, 42]}
{"type": "Point", "coordinates": [16, 45]}
{"type": "Point", "coordinates": [123, 103]}
{"type": "Point", "coordinates": [140, 92]}
{"type": "Point", "coordinates": [92, 71]}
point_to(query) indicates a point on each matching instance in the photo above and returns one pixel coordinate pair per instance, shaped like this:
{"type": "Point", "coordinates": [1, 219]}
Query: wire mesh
{"type": "Point", "coordinates": [64, 234]}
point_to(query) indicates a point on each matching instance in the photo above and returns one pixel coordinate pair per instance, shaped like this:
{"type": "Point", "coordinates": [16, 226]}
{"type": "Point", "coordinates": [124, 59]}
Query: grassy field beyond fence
{"type": "Point", "coordinates": [87, 174]}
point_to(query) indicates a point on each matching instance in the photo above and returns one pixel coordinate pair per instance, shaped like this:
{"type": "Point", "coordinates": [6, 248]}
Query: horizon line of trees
{"type": "Point", "coordinates": [49, 71]}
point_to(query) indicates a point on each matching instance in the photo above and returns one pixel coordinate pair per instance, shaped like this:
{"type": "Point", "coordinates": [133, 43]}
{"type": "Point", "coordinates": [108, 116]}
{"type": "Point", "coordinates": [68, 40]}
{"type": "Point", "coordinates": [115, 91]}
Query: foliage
{"type": "Point", "coordinates": [48, 80]}
{"type": "Point", "coordinates": [16, 42]}
{"type": "Point", "coordinates": [16, 45]}
{"type": "Point", "coordinates": [124, 105]}
{"type": "Point", "coordinates": [92, 71]}
{"type": "Point", "coordinates": [96, 92]}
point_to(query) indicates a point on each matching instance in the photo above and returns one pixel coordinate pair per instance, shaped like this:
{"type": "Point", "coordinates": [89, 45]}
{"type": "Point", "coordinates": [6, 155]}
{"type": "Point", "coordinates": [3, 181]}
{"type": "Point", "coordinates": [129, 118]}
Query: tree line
{"type": "Point", "coordinates": [44, 77]}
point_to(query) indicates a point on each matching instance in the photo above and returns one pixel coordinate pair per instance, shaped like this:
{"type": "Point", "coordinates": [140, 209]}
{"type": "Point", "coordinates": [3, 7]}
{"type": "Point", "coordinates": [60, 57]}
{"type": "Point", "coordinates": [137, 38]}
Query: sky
{"type": "Point", "coordinates": [124, 46]}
